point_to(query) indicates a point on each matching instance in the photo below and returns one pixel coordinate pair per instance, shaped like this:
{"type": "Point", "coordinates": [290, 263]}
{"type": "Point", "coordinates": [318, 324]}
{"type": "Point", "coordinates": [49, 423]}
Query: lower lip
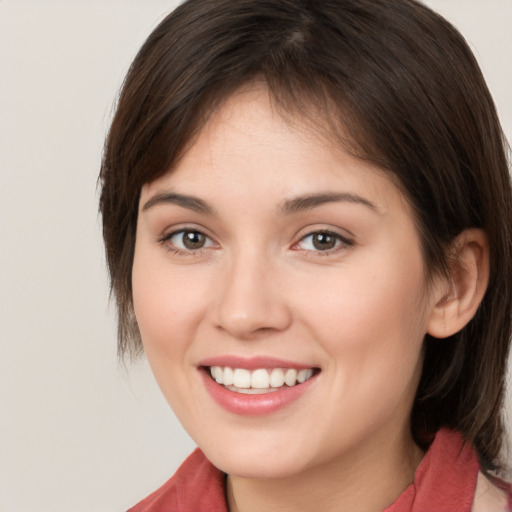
{"type": "Point", "coordinates": [254, 405]}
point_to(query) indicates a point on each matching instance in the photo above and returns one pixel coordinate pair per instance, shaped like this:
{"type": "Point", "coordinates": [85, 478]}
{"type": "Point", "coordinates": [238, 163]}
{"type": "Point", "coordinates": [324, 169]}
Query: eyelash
{"type": "Point", "coordinates": [341, 242]}
{"type": "Point", "coordinates": [165, 241]}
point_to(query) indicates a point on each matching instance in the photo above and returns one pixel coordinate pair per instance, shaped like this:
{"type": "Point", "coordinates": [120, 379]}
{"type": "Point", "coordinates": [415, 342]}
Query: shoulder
{"type": "Point", "coordinates": [197, 486]}
{"type": "Point", "coordinates": [492, 497]}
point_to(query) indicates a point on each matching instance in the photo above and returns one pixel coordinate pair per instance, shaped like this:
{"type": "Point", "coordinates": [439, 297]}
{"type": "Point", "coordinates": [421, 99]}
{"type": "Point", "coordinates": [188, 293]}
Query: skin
{"type": "Point", "coordinates": [259, 287]}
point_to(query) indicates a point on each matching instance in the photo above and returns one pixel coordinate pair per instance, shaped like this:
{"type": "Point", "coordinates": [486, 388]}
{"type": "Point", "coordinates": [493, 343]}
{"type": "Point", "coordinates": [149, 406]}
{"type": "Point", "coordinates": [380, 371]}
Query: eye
{"type": "Point", "coordinates": [322, 241]}
{"type": "Point", "coordinates": [188, 240]}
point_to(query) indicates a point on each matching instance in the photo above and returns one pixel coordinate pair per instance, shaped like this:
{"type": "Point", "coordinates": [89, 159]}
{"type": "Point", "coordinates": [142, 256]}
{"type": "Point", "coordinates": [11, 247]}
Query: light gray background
{"type": "Point", "coordinates": [78, 433]}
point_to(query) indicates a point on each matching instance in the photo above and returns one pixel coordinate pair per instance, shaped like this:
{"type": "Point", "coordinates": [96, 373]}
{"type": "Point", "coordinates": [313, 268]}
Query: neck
{"type": "Point", "coordinates": [366, 481]}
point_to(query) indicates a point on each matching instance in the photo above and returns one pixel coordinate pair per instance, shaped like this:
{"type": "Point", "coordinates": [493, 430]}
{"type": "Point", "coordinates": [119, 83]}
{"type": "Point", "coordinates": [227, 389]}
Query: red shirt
{"type": "Point", "coordinates": [445, 481]}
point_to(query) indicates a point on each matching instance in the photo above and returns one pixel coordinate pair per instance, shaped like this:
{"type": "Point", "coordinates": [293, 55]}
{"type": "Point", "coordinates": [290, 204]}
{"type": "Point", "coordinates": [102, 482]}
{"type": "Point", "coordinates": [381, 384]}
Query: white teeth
{"type": "Point", "coordinates": [259, 379]}
{"type": "Point", "coordinates": [304, 375]}
{"type": "Point", "coordinates": [228, 376]}
{"type": "Point", "coordinates": [242, 378]}
{"type": "Point", "coordinates": [218, 374]}
{"type": "Point", "coordinates": [290, 377]}
{"type": "Point", "coordinates": [277, 378]}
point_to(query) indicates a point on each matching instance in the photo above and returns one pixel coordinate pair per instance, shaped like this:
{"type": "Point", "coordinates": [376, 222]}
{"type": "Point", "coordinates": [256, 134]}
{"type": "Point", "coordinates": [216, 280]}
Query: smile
{"type": "Point", "coordinates": [260, 380]}
{"type": "Point", "coordinates": [256, 386]}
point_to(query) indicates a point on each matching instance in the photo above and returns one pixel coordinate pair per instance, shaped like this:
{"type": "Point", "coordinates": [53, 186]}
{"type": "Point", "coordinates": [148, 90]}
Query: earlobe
{"type": "Point", "coordinates": [458, 295]}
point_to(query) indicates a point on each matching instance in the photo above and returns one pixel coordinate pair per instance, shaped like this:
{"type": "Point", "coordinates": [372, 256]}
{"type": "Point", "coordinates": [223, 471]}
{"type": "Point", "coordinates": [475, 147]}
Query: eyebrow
{"type": "Point", "coordinates": [308, 202]}
{"type": "Point", "coordinates": [185, 201]}
{"type": "Point", "coordinates": [288, 207]}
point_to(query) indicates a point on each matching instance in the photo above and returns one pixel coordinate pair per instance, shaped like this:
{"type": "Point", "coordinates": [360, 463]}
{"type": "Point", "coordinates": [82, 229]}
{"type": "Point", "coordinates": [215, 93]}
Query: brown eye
{"type": "Point", "coordinates": [187, 240]}
{"type": "Point", "coordinates": [324, 241]}
{"type": "Point", "coordinates": [193, 239]}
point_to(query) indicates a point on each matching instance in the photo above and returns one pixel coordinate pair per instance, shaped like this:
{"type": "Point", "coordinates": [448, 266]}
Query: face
{"type": "Point", "coordinates": [293, 272]}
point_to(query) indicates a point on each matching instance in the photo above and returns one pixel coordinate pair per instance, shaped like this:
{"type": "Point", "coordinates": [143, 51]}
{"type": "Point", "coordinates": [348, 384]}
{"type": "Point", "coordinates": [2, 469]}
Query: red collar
{"type": "Point", "coordinates": [444, 481]}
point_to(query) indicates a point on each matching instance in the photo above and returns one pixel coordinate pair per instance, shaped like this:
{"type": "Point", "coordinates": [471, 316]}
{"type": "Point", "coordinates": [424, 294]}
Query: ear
{"type": "Point", "coordinates": [458, 295]}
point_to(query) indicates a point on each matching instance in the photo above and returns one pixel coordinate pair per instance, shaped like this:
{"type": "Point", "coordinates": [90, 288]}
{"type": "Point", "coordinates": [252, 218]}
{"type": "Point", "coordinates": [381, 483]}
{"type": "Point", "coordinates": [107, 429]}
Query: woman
{"type": "Point", "coordinates": [306, 209]}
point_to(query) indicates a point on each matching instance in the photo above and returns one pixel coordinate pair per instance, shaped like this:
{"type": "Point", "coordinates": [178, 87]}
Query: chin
{"type": "Point", "coordinates": [259, 460]}
{"type": "Point", "coordinates": [257, 468]}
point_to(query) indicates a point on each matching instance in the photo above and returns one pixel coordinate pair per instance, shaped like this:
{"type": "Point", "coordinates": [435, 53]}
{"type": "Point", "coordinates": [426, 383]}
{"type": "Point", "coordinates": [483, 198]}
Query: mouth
{"type": "Point", "coordinates": [258, 385]}
{"type": "Point", "coordinates": [259, 380]}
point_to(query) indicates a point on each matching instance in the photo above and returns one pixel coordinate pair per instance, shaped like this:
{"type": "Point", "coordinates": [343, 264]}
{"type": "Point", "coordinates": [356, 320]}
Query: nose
{"type": "Point", "coordinates": [250, 299]}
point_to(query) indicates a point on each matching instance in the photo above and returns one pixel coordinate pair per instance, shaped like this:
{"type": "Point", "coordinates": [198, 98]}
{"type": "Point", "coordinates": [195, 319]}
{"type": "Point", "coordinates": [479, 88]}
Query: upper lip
{"type": "Point", "coordinates": [252, 363]}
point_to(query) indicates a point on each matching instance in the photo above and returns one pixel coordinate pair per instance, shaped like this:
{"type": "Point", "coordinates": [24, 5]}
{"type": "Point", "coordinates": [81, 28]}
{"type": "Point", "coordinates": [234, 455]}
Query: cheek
{"type": "Point", "coordinates": [371, 323]}
{"type": "Point", "coordinates": [353, 301]}
{"type": "Point", "coordinates": [168, 304]}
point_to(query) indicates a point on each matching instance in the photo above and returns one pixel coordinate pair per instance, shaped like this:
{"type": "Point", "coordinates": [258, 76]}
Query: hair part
{"type": "Point", "coordinates": [398, 86]}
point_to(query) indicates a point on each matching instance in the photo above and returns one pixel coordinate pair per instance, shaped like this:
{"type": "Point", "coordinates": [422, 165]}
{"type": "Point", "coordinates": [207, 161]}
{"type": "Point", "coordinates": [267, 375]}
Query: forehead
{"type": "Point", "coordinates": [248, 144]}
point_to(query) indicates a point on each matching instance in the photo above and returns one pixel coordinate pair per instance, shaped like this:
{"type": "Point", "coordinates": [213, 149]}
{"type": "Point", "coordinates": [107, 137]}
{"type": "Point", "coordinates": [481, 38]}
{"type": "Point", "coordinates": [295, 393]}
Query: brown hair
{"type": "Point", "coordinates": [402, 85]}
